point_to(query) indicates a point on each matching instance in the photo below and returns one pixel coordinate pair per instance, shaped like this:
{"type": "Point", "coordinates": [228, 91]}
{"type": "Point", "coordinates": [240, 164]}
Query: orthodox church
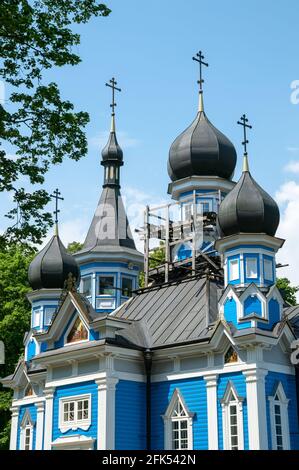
{"type": "Point", "coordinates": [199, 357]}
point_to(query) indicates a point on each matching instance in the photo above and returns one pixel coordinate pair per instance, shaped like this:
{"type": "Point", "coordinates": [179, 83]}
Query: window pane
{"type": "Point", "coordinates": [49, 312]}
{"type": "Point", "coordinates": [268, 269]}
{"type": "Point", "coordinates": [127, 287]}
{"type": "Point", "coordinates": [251, 268]}
{"type": "Point", "coordinates": [234, 269]}
{"type": "Point", "coordinates": [106, 285]}
{"type": "Point", "coordinates": [86, 286]}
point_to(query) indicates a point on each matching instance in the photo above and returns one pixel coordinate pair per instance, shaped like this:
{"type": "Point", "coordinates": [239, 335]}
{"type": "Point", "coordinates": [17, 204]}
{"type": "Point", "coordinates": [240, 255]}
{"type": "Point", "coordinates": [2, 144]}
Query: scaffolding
{"type": "Point", "coordinates": [185, 232]}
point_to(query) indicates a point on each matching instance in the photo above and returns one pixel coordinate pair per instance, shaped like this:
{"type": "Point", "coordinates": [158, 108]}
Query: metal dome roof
{"type": "Point", "coordinates": [52, 266]}
{"type": "Point", "coordinates": [201, 150]}
{"type": "Point", "coordinates": [248, 208]}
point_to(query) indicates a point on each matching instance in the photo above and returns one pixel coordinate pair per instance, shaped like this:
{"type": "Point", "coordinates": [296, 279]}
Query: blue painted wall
{"type": "Point", "coordinates": [238, 380]}
{"type": "Point", "coordinates": [194, 393]}
{"type": "Point", "coordinates": [76, 390]}
{"type": "Point", "coordinates": [289, 386]}
{"type": "Point", "coordinates": [32, 410]}
{"type": "Point", "coordinates": [230, 314]}
{"type": "Point", "coordinates": [31, 349]}
{"type": "Point", "coordinates": [274, 315]}
{"type": "Point", "coordinates": [252, 305]}
{"type": "Point", "coordinates": [130, 415]}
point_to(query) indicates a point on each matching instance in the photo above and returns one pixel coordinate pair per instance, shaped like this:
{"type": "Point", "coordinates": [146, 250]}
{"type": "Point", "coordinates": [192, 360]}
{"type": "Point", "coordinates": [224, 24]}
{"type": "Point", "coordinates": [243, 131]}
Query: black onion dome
{"type": "Point", "coordinates": [52, 266]}
{"type": "Point", "coordinates": [112, 151]}
{"type": "Point", "coordinates": [201, 150]}
{"type": "Point", "coordinates": [248, 209]}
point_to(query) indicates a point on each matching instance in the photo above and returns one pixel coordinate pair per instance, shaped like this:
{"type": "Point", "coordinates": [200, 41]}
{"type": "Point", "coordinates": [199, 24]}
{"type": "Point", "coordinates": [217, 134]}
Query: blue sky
{"type": "Point", "coordinates": [252, 49]}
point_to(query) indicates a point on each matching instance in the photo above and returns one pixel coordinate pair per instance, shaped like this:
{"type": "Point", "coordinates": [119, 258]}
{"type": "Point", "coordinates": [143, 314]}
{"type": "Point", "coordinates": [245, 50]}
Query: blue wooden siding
{"type": "Point", "coordinates": [238, 380]}
{"type": "Point", "coordinates": [32, 410]}
{"type": "Point", "coordinates": [74, 390]}
{"type": "Point", "coordinates": [273, 314]}
{"type": "Point", "coordinates": [230, 314]}
{"type": "Point", "coordinates": [31, 349]}
{"type": "Point", "coordinates": [193, 391]}
{"type": "Point", "coordinates": [252, 305]}
{"type": "Point", "coordinates": [289, 386]}
{"type": "Point", "coordinates": [130, 415]}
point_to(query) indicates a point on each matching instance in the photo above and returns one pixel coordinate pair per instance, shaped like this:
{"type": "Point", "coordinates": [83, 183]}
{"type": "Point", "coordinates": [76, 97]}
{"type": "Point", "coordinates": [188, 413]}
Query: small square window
{"type": "Point", "coordinates": [268, 269]}
{"type": "Point", "coordinates": [126, 287]}
{"type": "Point", "coordinates": [251, 268]}
{"type": "Point", "coordinates": [86, 286]}
{"type": "Point", "coordinates": [234, 269]}
{"type": "Point", "coordinates": [36, 318]}
{"type": "Point", "coordinates": [106, 285]}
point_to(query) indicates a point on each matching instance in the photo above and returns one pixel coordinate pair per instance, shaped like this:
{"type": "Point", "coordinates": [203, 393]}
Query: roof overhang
{"type": "Point", "coordinates": [226, 243]}
{"type": "Point", "coordinates": [191, 183]}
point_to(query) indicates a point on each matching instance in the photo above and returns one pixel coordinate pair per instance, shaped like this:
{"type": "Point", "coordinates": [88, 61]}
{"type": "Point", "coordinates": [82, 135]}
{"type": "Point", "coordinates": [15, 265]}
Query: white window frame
{"type": "Point", "coordinates": [84, 424]}
{"type": "Point", "coordinates": [248, 260]}
{"type": "Point", "coordinates": [26, 424]}
{"type": "Point", "coordinates": [169, 419]}
{"type": "Point", "coordinates": [36, 317]}
{"type": "Point", "coordinates": [283, 403]}
{"type": "Point", "coordinates": [226, 404]}
{"type": "Point", "coordinates": [269, 263]}
{"type": "Point", "coordinates": [236, 263]}
{"type": "Point", "coordinates": [84, 278]}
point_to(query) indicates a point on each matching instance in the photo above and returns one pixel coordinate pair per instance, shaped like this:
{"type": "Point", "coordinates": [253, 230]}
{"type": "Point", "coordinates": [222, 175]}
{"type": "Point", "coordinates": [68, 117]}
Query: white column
{"type": "Point", "coordinates": [39, 425]}
{"type": "Point", "coordinates": [211, 384]}
{"type": "Point", "coordinates": [14, 427]}
{"type": "Point", "coordinates": [256, 409]}
{"type": "Point", "coordinates": [49, 394]}
{"type": "Point", "coordinates": [106, 413]}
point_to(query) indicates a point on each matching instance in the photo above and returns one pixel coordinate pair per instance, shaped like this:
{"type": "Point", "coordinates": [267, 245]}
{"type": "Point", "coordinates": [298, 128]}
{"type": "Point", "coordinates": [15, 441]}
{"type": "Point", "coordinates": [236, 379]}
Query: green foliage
{"type": "Point", "coordinates": [74, 247]}
{"type": "Point", "coordinates": [41, 127]}
{"type": "Point", "coordinates": [288, 292]}
{"type": "Point", "coordinates": [14, 318]}
{"type": "Point", "coordinates": [157, 257]}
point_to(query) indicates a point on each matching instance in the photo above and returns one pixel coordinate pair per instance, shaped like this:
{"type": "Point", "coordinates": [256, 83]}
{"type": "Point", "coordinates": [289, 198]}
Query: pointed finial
{"type": "Point", "coordinates": [56, 195]}
{"type": "Point", "coordinates": [199, 58]}
{"type": "Point", "coordinates": [112, 84]}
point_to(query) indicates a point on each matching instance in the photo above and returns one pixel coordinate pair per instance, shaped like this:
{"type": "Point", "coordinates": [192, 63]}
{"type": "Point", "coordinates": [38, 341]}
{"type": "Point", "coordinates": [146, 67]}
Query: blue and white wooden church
{"type": "Point", "coordinates": [195, 364]}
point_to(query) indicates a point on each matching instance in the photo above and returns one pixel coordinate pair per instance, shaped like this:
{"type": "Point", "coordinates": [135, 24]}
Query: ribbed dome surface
{"type": "Point", "coordinates": [112, 151]}
{"type": "Point", "coordinates": [201, 150]}
{"type": "Point", "coordinates": [248, 209]}
{"type": "Point", "coordinates": [52, 266]}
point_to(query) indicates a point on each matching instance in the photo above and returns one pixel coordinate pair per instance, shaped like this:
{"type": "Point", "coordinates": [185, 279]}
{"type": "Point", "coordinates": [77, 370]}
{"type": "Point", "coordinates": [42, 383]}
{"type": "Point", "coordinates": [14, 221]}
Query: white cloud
{"type": "Point", "coordinates": [288, 198]}
{"type": "Point", "coordinates": [292, 167]}
{"type": "Point", "coordinates": [124, 140]}
{"type": "Point", "coordinates": [73, 230]}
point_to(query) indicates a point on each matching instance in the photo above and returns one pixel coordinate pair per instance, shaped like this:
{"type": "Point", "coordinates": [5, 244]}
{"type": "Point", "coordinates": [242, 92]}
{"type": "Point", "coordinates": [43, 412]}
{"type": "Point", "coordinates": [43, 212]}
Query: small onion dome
{"type": "Point", "coordinates": [52, 266]}
{"type": "Point", "coordinates": [248, 208]}
{"type": "Point", "coordinates": [112, 151]}
{"type": "Point", "coordinates": [201, 150]}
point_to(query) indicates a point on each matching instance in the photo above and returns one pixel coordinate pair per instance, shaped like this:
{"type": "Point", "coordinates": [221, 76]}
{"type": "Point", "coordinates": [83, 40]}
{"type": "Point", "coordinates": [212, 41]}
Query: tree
{"type": "Point", "coordinates": [288, 292]}
{"type": "Point", "coordinates": [14, 319]}
{"type": "Point", "coordinates": [41, 127]}
{"type": "Point", "coordinates": [74, 247]}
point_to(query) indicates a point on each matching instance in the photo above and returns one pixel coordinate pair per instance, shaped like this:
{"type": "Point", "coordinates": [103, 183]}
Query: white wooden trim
{"type": "Point", "coordinates": [77, 442]}
{"type": "Point", "coordinates": [39, 425]}
{"type": "Point", "coordinates": [211, 385]}
{"type": "Point", "coordinates": [106, 413]}
{"type": "Point", "coordinates": [256, 409]}
{"type": "Point", "coordinates": [168, 420]}
{"type": "Point", "coordinates": [49, 394]}
{"type": "Point", "coordinates": [14, 427]}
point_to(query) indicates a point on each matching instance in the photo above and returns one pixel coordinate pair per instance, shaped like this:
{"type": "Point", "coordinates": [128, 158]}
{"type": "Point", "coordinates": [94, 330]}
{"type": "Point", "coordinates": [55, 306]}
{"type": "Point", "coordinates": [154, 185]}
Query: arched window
{"type": "Point", "coordinates": [26, 436]}
{"type": "Point", "coordinates": [279, 419]}
{"type": "Point", "coordinates": [232, 416]}
{"type": "Point", "coordinates": [178, 434]}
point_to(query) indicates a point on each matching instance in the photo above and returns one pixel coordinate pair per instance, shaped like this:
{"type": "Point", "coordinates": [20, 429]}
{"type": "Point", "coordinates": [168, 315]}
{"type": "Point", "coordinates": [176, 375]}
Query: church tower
{"type": "Point", "coordinates": [109, 261]}
{"type": "Point", "coordinates": [48, 275]}
{"type": "Point", "coordinates": [248, 219]}
{"type": "Point", "coordinates": [201, 166]}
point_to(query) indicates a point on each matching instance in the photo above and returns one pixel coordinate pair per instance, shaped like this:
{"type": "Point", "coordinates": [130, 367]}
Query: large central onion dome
{"type": "Point", "coordinates": [201, 150]}
{"type": "Point", "coordinates": [248, 208]}
{"type": "Point", "coordinates": [52, 266]}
